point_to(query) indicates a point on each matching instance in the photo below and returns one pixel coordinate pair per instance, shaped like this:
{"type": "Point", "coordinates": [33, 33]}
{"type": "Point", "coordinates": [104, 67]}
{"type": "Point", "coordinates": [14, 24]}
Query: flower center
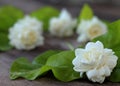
{"type": "Point", "coordinates": [94, 31]}
{"type": "Point", "coordinates": [29, 38]}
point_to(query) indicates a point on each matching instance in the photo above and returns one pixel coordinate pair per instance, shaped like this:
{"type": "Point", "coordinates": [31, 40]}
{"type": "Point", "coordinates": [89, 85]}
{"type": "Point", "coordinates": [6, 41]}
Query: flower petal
{"type": "Point", "coordinates": [94, 76]}
{"type": "Point", "coordinates": [94, 46]}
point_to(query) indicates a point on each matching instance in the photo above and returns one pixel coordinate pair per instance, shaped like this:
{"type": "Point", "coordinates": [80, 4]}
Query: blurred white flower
{"type": "Point", "coordinates": [97, 61]}
{"type": "Point", "coordinates": [90, 29]}
{"type": "Point", "coordinates": [26, 34]}
{"type": "Point", "coordinates": [63, 25]}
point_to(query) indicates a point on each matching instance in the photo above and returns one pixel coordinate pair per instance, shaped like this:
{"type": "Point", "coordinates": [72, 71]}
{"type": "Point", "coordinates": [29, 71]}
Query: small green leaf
{"type": "Point", "coordinates": [45, 14]}
{"type": "Point", "coordinates": [86, 13]}
{"type": "Point", "coordinates": [8, 16]}
{"type": "Point", "coordinates": [4, 42]}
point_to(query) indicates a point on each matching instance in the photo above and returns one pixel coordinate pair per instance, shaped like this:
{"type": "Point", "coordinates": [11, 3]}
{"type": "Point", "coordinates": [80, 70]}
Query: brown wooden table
{"type": "Point", "coordinates": [6, 58]}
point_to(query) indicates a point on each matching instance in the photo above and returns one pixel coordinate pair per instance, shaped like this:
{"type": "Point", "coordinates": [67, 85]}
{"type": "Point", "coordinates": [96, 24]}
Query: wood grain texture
{"type": "Point", "coordinates": [6, 58]}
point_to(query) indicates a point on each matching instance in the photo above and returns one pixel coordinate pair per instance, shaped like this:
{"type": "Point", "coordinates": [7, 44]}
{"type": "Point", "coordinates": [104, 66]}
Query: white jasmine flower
{"type": "Point", "coordinates": [63, 25]}
{"type": "Point", "coordinates": [97, 61]}
{"type": "Point", "coordinates": [26, 34]}
{"type": "Point", "coordinates": [90, 29]}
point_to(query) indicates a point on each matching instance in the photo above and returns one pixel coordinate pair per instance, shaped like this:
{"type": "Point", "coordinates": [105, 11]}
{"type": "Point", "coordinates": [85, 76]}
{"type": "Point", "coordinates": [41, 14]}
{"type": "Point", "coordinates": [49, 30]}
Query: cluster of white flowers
{"type": "Point", "coordinates": [90, 29]}
{"type": "Point", "coordinates": [96, 61]}
{"type": "Point", "coordinates": [62, 26]}
{"type": "Point", "coordinates": [26, 34]}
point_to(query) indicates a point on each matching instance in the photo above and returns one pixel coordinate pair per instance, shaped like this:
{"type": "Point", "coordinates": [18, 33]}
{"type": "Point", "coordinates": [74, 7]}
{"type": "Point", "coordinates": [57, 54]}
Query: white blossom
{"type": "Point", "coordinates": [95, 60]}
{"type": "Point", "coordinates": [90, 29]}
{"type": "Point", "coordinates": [26, 34]}
{"type": "Point", "coordinates": [62, 26]}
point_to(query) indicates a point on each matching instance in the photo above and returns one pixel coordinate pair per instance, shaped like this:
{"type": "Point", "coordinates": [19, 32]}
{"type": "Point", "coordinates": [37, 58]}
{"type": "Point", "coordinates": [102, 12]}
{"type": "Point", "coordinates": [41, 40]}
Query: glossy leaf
{"type": "Point", "coordinates": [62, 67]}
{"type": "Point", "coordinates": [23, 68]}
{"type": "Point", "coordinates": [60, 64]}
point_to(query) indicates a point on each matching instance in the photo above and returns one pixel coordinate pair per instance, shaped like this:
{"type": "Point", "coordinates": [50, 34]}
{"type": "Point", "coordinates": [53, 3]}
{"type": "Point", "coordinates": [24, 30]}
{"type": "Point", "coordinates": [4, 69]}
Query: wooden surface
{"type": "Point", "coordinates": [6, 58]}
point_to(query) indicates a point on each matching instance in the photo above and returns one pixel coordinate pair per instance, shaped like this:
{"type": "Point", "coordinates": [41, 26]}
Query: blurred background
{"type": "Point", "coordinates": [105, 9]}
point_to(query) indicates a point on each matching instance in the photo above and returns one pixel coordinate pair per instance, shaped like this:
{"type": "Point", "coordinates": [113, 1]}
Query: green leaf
{"type": "Point", "coordinates": [45, 14]}
{"type": "Point", "coordinates": [4, 42]}
{"type": "Point", "coordinates": [86, 13]}
{"type": "Point", "coordinates": [23, 68]}
{"type": "Point", "coordinates": [111, 39]}
{"type": "Point", "coordinates": [115, 76]}
{"type": "Point", "coordinates": [8, 16]}
{"type": "Point", "coordinates": [60, 64]}
{"type": "Point", "coordinates": [117, 53]}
